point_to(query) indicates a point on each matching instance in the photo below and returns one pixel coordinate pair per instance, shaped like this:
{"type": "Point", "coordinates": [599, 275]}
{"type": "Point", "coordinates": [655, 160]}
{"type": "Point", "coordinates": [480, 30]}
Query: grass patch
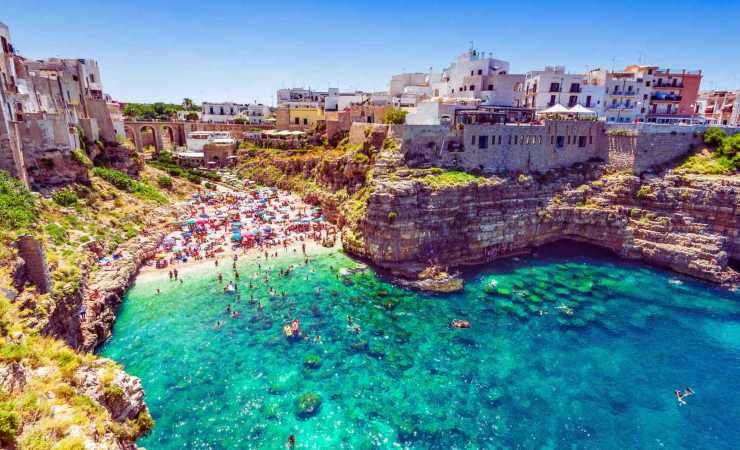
{"type": "Point", "coordinates": [128, 184]}
{"type": "Point", "coordinates": [451, 178]}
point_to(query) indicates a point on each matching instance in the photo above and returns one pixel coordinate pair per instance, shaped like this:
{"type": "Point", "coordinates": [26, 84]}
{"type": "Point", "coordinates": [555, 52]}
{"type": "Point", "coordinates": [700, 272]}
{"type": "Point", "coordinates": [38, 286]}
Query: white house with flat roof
{"type": "Point", "coordinates": [220, 112]}
{"type": "Point", "coordinates": [552, 86]}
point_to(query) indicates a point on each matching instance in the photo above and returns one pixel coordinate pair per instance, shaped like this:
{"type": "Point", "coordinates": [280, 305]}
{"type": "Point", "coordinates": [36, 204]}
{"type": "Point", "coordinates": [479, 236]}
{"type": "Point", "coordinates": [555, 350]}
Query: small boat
{"type": "Point", "coordinates": [230, 289]}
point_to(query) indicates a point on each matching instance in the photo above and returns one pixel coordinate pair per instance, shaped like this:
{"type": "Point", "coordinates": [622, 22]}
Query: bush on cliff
{"type": "Point", "coordinates": [126, 183]}
{"type": "Point", "coordinates": [724, 159]}
{"type": "Point", "coordinates": [714, 137]}
{"type": "Point", "coordinates": [17, 204]}
{"type": "Point", "coordinates": [9, 423]}
{"type": "Point", "coordinates": [164, 182]}
{"type": "Point", "coordinates": [65, 197]}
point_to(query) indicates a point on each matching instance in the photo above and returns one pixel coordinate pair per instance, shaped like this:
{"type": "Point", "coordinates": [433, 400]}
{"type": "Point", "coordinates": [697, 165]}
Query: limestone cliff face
{"type": "Point", "coordinates": [690, 224]}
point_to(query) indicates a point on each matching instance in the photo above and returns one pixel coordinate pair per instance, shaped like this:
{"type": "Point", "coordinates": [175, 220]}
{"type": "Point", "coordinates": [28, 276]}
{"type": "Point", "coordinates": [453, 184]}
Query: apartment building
{"type": "Point", "coordinates": [627, 97]}
{"type": "Point", "coordinates": [720, 107]}
{"type": "Point", "coordinates": [552, 86]}
{"type": "Point", "coordinates": [674, 93]}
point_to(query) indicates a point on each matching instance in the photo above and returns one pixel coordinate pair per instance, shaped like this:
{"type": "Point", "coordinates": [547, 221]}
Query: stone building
{"type": "Point", "coordinates": [50, 108]}
{"type": "Point", "coordinates": [505, 147]}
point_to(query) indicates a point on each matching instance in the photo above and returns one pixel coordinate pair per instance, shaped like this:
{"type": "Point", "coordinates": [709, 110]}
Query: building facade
{"type": "Point", "coordinates": [674, 93]}
{"type": "Point", "coordinates": [721, 107]}
{"type": "Point", "coordinates": [51, 107]}
{"type": "Point", "coordinates": [552, 86]}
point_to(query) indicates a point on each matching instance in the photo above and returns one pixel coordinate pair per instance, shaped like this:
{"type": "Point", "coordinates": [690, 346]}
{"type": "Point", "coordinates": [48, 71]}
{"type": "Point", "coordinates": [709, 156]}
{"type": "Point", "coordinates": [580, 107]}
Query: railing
{"type": "Point", "coordinates": [624, 93]}
{"type": "Point", "coordinates": [666, 98]}
{"type": "Point", "coordinates": [575, 90]}
{"type": "Point", "coordinates": [621, 106]}
{"type": "Point", "coordinates": [668, 85]}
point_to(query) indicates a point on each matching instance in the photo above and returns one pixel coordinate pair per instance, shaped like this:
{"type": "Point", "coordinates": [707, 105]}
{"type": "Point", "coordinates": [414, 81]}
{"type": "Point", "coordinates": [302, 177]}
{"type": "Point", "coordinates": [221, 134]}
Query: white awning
{"type": "Point", "coordinates": [579, 109]}
{"type": "Point", "coordinates": [556, 109]}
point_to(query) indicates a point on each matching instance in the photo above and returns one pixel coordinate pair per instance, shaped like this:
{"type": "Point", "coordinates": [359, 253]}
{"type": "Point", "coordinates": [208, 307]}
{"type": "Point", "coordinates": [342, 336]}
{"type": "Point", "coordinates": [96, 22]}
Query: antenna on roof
{"type": "Point", "coordinates": [471, 46]}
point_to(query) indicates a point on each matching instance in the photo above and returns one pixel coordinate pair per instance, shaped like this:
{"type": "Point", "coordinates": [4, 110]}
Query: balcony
{"type": "Point", "coordinates": [575, 90]}
{"type": "Point", "coordinates": [622, 106]}
{"type": "Point", "coordinates": [623, 93]}
{"type": "Point", "coordinates": [665, 98]}
{"type": "Point", "coordinates": [668, 85]}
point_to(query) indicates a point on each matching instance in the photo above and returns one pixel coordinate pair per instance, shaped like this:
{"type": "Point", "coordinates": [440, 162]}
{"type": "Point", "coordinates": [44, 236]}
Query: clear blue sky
{"type": "Point", "coordinates": [245, 50]}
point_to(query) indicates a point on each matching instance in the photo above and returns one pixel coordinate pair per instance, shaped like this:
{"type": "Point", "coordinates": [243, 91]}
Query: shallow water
{"type": "Point", "coordinates": [564, 352]}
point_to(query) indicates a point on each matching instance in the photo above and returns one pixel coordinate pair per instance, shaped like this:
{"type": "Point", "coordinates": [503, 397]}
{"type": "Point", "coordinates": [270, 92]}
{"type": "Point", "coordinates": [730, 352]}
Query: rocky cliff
{"type": "Point", "coordinates": [687, 223]}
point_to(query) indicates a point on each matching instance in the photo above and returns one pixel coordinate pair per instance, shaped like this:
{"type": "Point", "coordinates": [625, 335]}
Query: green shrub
{"type": "Point", "coordinates": [17, 204]}
{"type": "Point", "coordinates": [79, 155]}
{"type": "Point", "coordinates": [392, 216]}
{"type": "Point", "coordinates": [395, 116]}
{"type": "Point", "coordinates": [57, 232]}
{"type": "Point", "coordinates": [714, 137]}
{"type": "Point", "coordinates": [126, 183]}
{"type": "Point", "coordinates": [644, 191]}
{"type": "Point", "coordinates": [64, 197]}
{"type": "Point", "coordinates": [165, 182]}
{"type": "Point", "coordinates": [9, 423]}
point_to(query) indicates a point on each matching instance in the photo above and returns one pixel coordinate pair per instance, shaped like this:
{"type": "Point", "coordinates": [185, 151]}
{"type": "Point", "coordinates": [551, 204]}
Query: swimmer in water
{"type": "Point", "coordinates": [680, 396]}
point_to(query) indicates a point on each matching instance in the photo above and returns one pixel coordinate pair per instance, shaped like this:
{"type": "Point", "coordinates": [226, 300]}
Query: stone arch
{"type": "Point", "coordinates": [149, 136]}
{"type": "Point", "coordinates": [168, 139]}
{"type": "Point", "coordinates": [132, 135]}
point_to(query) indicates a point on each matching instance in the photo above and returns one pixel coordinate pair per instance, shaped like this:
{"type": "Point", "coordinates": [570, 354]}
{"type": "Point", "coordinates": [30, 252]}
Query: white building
{"type": "Point", "coordinates": [627, 97]}
{"type": "Point", "coordinates": [300, 97]}
{"type": "Point", "coordinates": [220, 112]}
{"type": "Point", "coordinates": [477, 76]}
{"type": "Point", "coordinates": [543, 89]}
{"type": "Point", "coordinates": [255, 113]}
{"type": "Point", "coordinates": [196, 140]}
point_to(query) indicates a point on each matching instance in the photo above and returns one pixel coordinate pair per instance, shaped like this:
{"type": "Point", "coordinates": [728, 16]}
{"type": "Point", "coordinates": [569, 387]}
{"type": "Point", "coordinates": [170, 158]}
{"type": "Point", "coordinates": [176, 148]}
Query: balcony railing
{"type": "Point", "coordinates": [668, 85]}
{"type": "Point", "coordinates": [621, 106]}
{"type": "Point", "coordinates": [575, 90]}
{"type": "Point", "coordinates": [624, 93]}
{"type": "Point", "coordinates": [666, 98]}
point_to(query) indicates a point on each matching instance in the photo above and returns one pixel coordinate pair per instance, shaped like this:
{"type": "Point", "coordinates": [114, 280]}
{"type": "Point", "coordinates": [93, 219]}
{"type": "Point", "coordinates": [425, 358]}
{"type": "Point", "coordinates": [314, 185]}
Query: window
{"type": "Point", "coordinates": [560, 142]}
{"type": "Point", "coordinates": [554, 87]}
{"type": "Point", "coordinates": [92, 78]}
{"type": "Point", "coordinates": [490, 87]}
{"type": "Point", "coordinates": [552, 101]}
{"type": "Point", "coordinates": [588, 101]}
{"type": "Point", "coordinates": [590, 140]}
{"type": "Point", "coordinates": [480, 71]}
{"type": "Point", "coordinates": [482, 141]}
{"type": "Point", "coordinates": [552, 140]}
{"type": "Point", "coordinates": [499, 140]}
{"type": "Point", "coordinates": [211, 109]}
{"type": "Point", "coordinates": [472, 87]}
{"type": "Point", "coordinates": [472, 140]}
{"type": "Point", "coordinates": [568, 139]}
{"type": "Point", "coordinates": [297, 121]}
{"type": "Point", "coordinates": [581, 141]}
{"type": "Point", "coordinates": [516, 140]}
{"type": "Point", "coordinates": [305, 121]}
{"type": "Point", "coordinates": [75, 78]}
{"type": "Point", "coordinates": [472, 73]}
{"type": "Point", "coordinates": [572, 101]}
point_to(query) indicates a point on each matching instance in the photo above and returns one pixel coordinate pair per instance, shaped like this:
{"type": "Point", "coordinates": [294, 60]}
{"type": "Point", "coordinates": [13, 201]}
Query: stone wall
{"type": "Point", "coordinates": [31, 251]}
{"type": "Point", "coordinates": [373, 134]}
{"type": "Point", "coordinates": [502, 148]}
{"type": "Point", "coordinates": [642, 147]}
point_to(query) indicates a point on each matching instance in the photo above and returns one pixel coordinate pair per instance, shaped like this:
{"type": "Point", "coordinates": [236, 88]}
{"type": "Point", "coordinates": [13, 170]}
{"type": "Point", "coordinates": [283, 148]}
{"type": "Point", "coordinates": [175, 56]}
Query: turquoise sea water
{"type": "Point", "coordinates": [570, 349]}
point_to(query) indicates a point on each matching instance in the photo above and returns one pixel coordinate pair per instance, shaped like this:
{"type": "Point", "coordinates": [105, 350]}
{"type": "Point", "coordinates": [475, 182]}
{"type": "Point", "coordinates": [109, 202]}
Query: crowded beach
{"type": "Point", "coordinates": [226, 225]}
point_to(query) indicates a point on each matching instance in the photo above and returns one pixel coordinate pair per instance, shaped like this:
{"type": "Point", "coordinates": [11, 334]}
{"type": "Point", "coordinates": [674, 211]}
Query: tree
{"type": "Point", "coordinates": [191, 116]}
{"type": "Point", "coordinates": [395, 116]}
{"type": "Point", "coordinates": [714, 137]}
{"type": "Point", "coordinates": [187, 103]}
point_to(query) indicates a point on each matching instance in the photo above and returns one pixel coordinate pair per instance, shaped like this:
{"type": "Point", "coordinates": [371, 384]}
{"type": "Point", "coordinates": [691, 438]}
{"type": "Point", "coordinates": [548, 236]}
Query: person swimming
{"type": "Point", "coordinates": [680, 396]}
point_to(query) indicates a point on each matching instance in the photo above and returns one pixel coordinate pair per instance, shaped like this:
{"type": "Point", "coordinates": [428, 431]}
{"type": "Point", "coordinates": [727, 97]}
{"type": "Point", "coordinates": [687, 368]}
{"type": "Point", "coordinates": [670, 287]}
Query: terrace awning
{"type": "Point", "coordinates": [579, 109]}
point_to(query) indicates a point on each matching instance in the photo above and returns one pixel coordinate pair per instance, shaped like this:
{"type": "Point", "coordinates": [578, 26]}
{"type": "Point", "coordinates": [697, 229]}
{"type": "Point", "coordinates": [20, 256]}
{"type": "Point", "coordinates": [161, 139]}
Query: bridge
{"type": "Point", "coordinates": [164, 135]}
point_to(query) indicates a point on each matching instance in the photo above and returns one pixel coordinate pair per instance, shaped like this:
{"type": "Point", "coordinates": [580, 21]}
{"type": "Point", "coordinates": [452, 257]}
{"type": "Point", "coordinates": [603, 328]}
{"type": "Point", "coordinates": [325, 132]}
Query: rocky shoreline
{"type": "Point", "coordinates": [689, 224]}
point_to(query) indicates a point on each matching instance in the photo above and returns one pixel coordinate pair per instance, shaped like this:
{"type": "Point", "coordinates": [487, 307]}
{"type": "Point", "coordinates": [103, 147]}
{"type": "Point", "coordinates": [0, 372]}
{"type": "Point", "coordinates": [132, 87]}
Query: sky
{"type": "Point", "coordinates": [229, 50]}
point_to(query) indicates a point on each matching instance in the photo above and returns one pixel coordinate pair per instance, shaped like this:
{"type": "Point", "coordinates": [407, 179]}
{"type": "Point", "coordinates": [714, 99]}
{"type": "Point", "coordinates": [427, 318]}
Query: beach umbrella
{"type": "Point", "coordinates": [191, 221]}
